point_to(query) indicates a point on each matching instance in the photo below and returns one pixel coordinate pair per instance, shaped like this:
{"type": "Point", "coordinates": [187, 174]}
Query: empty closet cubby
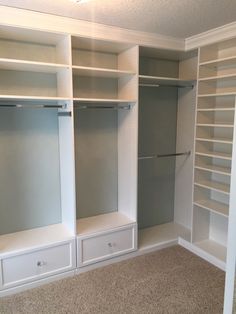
{"type": "Point", "coordinates": [166, 117]}
{"type": "Point", "coordinates": [33, 216]}
{"type": "Point", "coordinates": [23, 46]}
{"type": "Point", "coordinates": [105, 121]}
{"type": "Point", "coordinates": [103, 71]}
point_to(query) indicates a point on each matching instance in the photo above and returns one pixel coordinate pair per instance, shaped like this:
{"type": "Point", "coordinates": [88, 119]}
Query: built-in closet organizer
{"type": "Point", "coordinates": [167, 97]}
{"type": "Point", "coordinates": [105, 90]}
{"type": "Point", "coordinates": [37, 210]}
{"type": "Point", "coordinates": [214, 149]}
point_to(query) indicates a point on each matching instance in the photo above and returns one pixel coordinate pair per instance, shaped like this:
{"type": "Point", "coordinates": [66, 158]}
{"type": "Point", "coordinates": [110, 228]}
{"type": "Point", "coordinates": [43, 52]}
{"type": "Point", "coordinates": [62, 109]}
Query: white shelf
{"type": "Point", "coordinates": [216, 125]}
{"type": "Point", "coordinates": [170, 81]}
{"type": "Point", "coordinates": [161, 234]}
{"type": "Point", "coordinates": [216, 109]}
{"type": "Point", "coordinates": [214, 140]}
{"type": "Point", "coordinates": [34, 238]}
{"type": "Point", "coordinates": [21, 65]}
{"type": "Point", "coordinates": [32, 98]}
{"type": "Point", "coordinates": [217, 94]}
{"type": "Point", "coordinates": [214, 186]}
{"type": "Point", "coordinates": [100, 72]}
{"type": "Point", "coordinates": [104, 101]}
{"type": "Point", "coordinates": [213, 206]}
{"type": "Point", "coordinates": [219, 77]}
{"type": "Point", "coordinates": [92, 225]}
{"type": "Point", "coordinates": [214, 169]}
{"type": "Point", "coordinates": [213, 248]}
{"type": "Point", "coordinates": [219, 62]}
{"type": "Point", "coordinates": [215, 155]}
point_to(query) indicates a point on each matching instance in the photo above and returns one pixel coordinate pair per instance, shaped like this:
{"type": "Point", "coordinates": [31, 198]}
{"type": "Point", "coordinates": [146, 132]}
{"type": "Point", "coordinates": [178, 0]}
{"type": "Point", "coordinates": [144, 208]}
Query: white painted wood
{"type": "Point", "coordinates": [128, 140]}
{"type": "Point", "coordinates": [108, 101]}
{"type": "Point", "coordinates": [91, 249]}
{"type": "Point", "coordinates": [206, 254]}
{"type": "Point", "coordinates": [58, 24]}
{"type": "Point", "coordinates": [38, 264]}
{"type": "Point", "coordinates": [215, 207]}
{"type": "Point", "coordinates": [215, 155]}
{"type": "Point", "coordinates": [231, 252]}
{"type": "Point", "coordinates": [32, 66]}
{"type": "Point", "coordinates": [153, 237]}
{"type": "Point", "coordinates": [216, 186]}
{"type": "Point", "coordinates": [145, 79]}
{"type": "Point", "coordinates": [214, 169]}
{"type": "Point", "coordinates": [15, 243]}
{"type": "Point", "coordinates": [99, 223]}
{"type": "Point", "coordinates": [100, 72]}
{"type": "Point", "coordinates": [36, 283]}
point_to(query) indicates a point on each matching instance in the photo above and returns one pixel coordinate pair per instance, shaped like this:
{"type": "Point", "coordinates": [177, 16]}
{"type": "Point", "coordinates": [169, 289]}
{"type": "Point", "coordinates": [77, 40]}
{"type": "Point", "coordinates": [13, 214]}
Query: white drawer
{"type": "Point", "coordinates": [38, 264]}
{"type": "Point", "coordinates": [106, 245]}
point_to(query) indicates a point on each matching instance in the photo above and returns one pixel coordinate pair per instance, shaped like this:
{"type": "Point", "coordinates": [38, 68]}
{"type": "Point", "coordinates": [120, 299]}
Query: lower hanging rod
{"type": "Point", "coordinates": [188, 153]}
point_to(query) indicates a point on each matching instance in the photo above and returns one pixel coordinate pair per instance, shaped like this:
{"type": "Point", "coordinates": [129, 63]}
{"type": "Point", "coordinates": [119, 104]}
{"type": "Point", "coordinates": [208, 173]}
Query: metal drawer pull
{"type": "Point", "coordinates": [41, 263]}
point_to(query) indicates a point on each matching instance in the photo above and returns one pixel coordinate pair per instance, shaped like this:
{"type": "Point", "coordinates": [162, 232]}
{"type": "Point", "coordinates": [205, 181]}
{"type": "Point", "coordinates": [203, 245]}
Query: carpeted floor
{"type": "Point", "coordinates": [170, 281]}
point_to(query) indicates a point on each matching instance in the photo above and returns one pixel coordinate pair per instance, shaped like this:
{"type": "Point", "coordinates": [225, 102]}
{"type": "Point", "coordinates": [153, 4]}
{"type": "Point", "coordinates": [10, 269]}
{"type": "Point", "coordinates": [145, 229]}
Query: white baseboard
{"type": "Point", "coordinates": [35, 284]}
{"type": "Point", "coordinates": [201, 253]}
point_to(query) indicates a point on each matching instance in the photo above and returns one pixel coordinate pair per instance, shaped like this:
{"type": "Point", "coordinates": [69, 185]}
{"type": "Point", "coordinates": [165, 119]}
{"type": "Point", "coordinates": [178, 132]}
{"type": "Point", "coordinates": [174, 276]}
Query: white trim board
{"type": "Point", "coordinates": [201, 253]}
{"type": "Point", "coordinates": [53, 23]}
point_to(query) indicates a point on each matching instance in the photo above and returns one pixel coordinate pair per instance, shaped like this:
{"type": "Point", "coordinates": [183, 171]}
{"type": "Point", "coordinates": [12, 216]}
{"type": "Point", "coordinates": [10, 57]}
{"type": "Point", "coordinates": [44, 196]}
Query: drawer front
{"type": "Point", "coordinates": [38, 264]}
{"type": "Point", "coordinates": [105, 246]}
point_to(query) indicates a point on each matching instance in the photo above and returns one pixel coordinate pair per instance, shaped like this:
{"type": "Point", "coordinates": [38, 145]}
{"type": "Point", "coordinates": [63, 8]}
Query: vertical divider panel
{"type": "Point", "coordinates": [231, 251]}
{"type": "Point", "coordinates": [128, 138]}
{"type": "Point", "coordinates": [185, 142]}
{"type": "Point", "coordinates": [194, 146]}
{"type": "Point", "coordinates": [67, 162]}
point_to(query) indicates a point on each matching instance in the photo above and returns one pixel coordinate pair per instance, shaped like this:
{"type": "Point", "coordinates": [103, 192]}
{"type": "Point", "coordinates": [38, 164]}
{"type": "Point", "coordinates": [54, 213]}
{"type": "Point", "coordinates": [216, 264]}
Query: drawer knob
{"type": "Point", "coordinates": [40, 263]}
{"type": "Point", "coordinates": [110, 244]}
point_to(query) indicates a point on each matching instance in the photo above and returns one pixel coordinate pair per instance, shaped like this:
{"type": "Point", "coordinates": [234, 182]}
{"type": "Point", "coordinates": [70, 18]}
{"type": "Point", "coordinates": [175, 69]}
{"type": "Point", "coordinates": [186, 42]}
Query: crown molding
{"type": "Point", "coordinates": [53, 23]}
{"type": "Point", "coordinates": [209, 37]}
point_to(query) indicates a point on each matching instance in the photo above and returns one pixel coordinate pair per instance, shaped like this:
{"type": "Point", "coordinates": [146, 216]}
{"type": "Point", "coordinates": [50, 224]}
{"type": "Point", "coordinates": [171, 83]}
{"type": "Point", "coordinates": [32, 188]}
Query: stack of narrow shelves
{"type": "Point", "coordinates": [213, 147]}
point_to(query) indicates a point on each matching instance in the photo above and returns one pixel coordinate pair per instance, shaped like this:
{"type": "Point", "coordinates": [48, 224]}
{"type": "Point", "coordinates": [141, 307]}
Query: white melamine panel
{"type": "Point", "coordinates": [38, 264]}
{"type": "Point", "coordinates": [99, 223]}
{"type": "Point", "coordinates": [218, 229]}
{"type": "Point", "coordinates": [106, 245]}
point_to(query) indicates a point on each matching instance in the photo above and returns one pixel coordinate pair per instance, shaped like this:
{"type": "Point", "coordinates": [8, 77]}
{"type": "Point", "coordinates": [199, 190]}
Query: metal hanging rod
{"type": "Point", "coordinates": [33, 106]}
{"type": "Point", "coordinates": [165, 85]}
{"type": "Point", "coordinates": [126, 107]}
{"type": "Point", "coordinates": [188, 153]}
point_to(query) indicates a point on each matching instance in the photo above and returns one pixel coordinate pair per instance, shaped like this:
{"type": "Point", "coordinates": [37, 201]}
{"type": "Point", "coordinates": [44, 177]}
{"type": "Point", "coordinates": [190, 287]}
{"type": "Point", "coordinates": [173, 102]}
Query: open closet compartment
{"type": "Point", "coordinates": [37, 216]}
{"type": "Point", "coordinates": [167, 98]}
{"type": "Point", "coordinates": [34, 65]}
{"type": "Point", "coordinates": [105, 118]}
{"type": "Point", "coordinates": [103, 72]}
{"type": "Point", "coordinates": [214, 148]}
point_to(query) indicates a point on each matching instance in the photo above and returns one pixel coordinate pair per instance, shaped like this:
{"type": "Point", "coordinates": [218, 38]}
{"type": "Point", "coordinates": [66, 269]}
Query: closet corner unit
{"type": "Point", "coordinates": [37, 211]}
{"type": "Point", "coordinates": [105, 87]}
{"type": "Point", "coordinates": [167, 98]}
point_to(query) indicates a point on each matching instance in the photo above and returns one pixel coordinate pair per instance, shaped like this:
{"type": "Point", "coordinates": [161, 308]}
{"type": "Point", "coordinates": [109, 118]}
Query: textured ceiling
{"type": "Point", "coordinates": [178, 18]}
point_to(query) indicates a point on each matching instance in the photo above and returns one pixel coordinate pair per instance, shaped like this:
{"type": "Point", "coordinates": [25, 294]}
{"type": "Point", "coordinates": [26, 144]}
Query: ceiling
{"type": "Point", "coordinates": [177, 18]}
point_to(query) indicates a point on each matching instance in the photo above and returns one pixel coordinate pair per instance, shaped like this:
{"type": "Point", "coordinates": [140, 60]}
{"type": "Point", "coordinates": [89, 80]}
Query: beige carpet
{"type": "Point", "coordinates": [168, 281]}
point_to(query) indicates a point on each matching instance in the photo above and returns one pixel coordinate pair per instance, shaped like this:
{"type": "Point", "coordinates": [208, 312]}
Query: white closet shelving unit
{"type": "Point", "coordinates": [105, 109]}
{"type": "Point", "coordinates": [213, 148]}
{"type": "Point", "coordinates": [37, 221]}
{"type": "Point", "coordinates": [166, 80]}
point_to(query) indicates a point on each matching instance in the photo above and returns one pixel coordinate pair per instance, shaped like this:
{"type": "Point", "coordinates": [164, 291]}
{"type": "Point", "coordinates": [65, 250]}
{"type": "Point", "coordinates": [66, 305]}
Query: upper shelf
{"type": "Point", "coordinates": [100, 72]}
{"type": "Point", "coordinates": [215, 63]}
{"type": "Point", "coordinates": [165, 81]}
{"type": "Point", "coordinates": [32, 66]}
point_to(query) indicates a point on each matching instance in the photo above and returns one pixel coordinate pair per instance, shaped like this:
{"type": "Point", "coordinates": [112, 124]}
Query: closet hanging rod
{"type": "Point", "coordinates": [33, 106]}
{"type": "Point", "coordinates": [165, 85]}
{"type": "Point", "coordinates": [188, 153]}
{"type": "Point", "coordinates": [127, 107]}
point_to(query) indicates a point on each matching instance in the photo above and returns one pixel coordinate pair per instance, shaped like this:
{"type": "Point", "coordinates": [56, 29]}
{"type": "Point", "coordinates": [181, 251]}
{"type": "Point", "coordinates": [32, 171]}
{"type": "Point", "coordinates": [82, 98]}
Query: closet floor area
{"type": "Point", "coordinates": [171, 280]}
